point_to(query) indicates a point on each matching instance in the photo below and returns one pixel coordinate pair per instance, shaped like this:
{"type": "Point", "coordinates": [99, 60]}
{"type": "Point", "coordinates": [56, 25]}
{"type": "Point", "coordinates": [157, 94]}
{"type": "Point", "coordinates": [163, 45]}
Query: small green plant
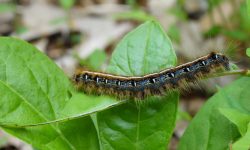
{"type": "Point", "coordinates": [135, 15]}
{"type": "Point", "coordinates": [39, 105]}
{"type": "Point", "coordinates": [95, 60]}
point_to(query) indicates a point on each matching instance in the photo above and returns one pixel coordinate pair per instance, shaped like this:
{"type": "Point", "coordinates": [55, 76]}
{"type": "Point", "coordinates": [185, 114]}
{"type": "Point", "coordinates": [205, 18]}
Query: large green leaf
{"type": "Point", "coordinates": [33, 90]}
{"type": "Point", "coordinates": [242, 121]}
{"type": "Point", "coordinates": [130, 126]}
{"type": "Point", "coordinates": [212, 130]}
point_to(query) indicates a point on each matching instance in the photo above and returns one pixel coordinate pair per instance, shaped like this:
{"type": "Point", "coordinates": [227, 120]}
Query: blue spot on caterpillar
{"type": "Point", "coordinates": [151, 84]}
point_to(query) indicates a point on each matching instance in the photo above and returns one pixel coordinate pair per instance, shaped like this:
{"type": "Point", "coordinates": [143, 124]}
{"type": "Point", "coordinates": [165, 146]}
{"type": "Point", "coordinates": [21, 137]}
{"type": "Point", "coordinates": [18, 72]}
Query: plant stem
{"type": "Point", "coordinates": [234, 72]}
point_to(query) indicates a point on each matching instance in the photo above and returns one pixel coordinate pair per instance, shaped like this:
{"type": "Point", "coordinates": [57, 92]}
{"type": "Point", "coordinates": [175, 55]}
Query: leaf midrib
{"type": "Point", "coordinates": [146, 51]}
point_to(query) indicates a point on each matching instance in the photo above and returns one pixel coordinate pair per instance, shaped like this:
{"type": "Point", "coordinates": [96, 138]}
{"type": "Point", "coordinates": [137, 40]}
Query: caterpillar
{"type": "Point", "coordinates": [141, 87]}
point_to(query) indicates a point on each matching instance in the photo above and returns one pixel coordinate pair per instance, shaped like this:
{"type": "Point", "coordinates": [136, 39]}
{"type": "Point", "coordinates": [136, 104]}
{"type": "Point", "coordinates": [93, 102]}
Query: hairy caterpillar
{"type": "Point", "coordinates": [151, 84]}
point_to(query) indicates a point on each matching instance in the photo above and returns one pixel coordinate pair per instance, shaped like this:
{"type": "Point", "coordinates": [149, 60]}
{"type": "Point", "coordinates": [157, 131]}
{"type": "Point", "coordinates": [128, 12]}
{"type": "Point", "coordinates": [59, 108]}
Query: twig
{"type": "Point", "coordinates": [234, 72]}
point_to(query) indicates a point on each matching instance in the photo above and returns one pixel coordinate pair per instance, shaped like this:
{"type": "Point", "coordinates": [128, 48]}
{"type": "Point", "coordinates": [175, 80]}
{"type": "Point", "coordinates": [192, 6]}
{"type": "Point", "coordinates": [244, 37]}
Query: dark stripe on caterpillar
{"type": "Point", "coordinates": [151, 84]}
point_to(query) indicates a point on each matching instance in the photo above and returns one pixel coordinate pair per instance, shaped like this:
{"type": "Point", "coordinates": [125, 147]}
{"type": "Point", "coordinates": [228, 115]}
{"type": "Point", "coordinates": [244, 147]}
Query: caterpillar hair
{"type": "Point", "coordinates": [160, 83]}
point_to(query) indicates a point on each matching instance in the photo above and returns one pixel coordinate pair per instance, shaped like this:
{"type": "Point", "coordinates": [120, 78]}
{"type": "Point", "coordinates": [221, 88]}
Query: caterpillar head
{"type": "Point", "coordinates": [220, 59]}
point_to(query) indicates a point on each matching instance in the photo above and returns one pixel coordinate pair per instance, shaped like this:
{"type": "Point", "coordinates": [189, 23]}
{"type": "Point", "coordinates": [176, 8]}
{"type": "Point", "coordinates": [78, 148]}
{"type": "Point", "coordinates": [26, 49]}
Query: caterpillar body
{"type": "Point", "coordinates": [140, 87]}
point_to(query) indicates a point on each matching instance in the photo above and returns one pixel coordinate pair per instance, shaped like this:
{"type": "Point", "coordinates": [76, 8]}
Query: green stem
{"type": "Point", "coordinates": [234, 72]}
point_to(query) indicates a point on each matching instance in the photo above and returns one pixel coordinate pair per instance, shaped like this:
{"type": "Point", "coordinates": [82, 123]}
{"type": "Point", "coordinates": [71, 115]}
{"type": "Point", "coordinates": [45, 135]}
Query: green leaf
{"type": "Point", "coordinates": [67, 4]}
{"type": "Point", "coordinates": [174, 33]}
{"type": "Point", "coordinates": [244, 142]}
{"type": "Point", "coordinates": [21, 29]}
{"type": "Point", "coordinates": [213, 31]}
{"type": "Point", "coordinates": [7, 7]}
{"type": "Point", "coordinates": [82, 105]}
{"type": "Point", "coordinates": [131, 3]}
{"type": "Point", "coordinates": [233, 66]}
{"type": "Point", "coordinates": [178, 12]}
{"type": "Point", "coordinates": [134, 126]}
{"type": "Point", "coordinates": [145, 50]}
{"type": "Point", "coordinates": [248, 52]}
{"type": "Point", "coordinates": [182, 115]}
{"type": "Point", "coordinates": [34, 90]}
{"type": "Point", "coordinates": [241, 120]}
{"type": "Point", "coordinates": [241, 32]}
{"type": "Point", "coordinates": [237, 34]}
{"type": "Point", "coordinates": [137, 15]}
{"type": "Point", "coordinates": [28, 79]}
{"type": "Point", "coordinates": [78, 106]}
{"type": "Point", "coordinates": [210, 129]}
{"type": "Point", "coordinates": [95, 60]}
